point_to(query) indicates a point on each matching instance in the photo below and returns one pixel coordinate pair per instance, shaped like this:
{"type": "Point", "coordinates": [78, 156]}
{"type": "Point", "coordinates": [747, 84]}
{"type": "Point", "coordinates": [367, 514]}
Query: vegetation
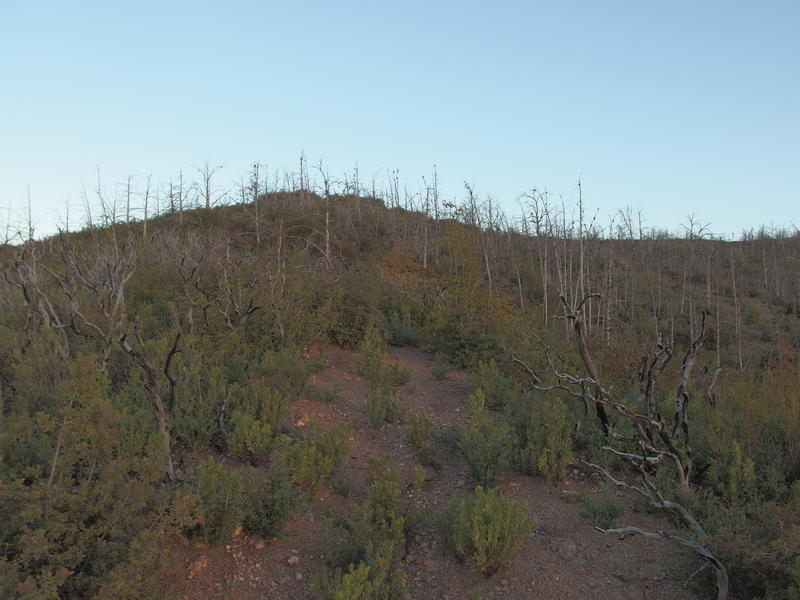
{"type": "Point", "coordinates": [486, 529]}
{"type": "Point", "coordinates": [146, 368]}
{"type": "Point", "coordinates": [486, 446]}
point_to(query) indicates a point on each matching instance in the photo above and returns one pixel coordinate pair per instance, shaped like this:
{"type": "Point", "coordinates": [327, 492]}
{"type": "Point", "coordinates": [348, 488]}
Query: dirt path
{"type": "Point", "coordinates": [564, 558]}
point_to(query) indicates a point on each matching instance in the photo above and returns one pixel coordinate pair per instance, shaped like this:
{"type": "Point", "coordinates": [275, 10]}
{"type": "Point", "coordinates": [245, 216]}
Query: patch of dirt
{"type": "Point", "coordinates": [563, 558]}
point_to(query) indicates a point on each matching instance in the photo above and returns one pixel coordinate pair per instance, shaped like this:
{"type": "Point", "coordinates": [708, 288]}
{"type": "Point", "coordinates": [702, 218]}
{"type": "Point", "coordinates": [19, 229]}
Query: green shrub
{"type": "Point", "coordinates": [498, 389]}
{"type": "Point", "coordinates": [546, 442]}
{"type": "Point", "coordinates": [603, 510]}
{"type": "Point", "coordinates": [484, 528]}
{"type": "Point", "coordinates": [383, 406]}
{"type": "Point", "coordinates": [271, 501]}
{"type": "Point", "coordinates": [418, 436]}
{"type": "Point", "coordinates": [287, 372]}
{"type": "Point", "coordinates": [199, 396]}
{"type": "Point", "coordinates": [486, 447]}
{"type": "Point", "coordinates": [439, 370]}
{"type": "Point", "coordinates": [401, 329]}
{"type": "Point", "coordinates": [318, 460]}
{"type": "Point", "coordinates": [364, 551]}
{"type": "Point", "coordinates": [221, 494]}
{"type": "Point", "coordinates": [250, 439]}
{"type": "Point", "coordinates": [371, 354]}
{"type": "Point", "coordinates": [258, 400]}
{"type": "Point", "coordinates": [397, 374]}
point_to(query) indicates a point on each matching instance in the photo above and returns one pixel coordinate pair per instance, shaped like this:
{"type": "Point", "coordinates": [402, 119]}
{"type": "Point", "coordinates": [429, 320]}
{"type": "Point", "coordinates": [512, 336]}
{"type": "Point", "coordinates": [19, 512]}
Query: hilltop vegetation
{"type": "Point", "coordinates": [146, 370]}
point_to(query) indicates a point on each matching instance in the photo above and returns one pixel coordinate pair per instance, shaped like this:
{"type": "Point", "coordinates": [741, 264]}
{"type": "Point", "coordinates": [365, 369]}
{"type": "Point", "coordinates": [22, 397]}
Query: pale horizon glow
{"type": "Point", "coordinates": [676, 109]}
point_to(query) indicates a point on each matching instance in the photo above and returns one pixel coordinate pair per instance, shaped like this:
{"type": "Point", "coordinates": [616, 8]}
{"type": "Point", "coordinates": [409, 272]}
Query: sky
{"type": "Point", "coordinates": [672, 108]}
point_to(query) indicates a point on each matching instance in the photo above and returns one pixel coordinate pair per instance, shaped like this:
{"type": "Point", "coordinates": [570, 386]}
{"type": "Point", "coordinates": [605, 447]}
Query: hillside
{"type": "Point", "coordinates": [281, 398]}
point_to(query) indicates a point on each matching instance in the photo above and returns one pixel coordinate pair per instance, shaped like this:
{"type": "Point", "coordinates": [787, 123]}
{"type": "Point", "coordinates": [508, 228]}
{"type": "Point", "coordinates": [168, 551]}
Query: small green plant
{"type": "Point", "coordinates": [371, 354]}
{"type": "Point", "coordinates": [383, 406]}
{"type": "Point", "coordinates": [486, 447]}
{"type": "Point", "coordinates": [250, 439]}
{"type": "Point", "coordinates": [221, 494]}
{"type": "Point", "coordinates": [546, 440]}
{"type": "Point", "coordinates": [498, 389]}
{"type": "Point", "coordinates": [364, 550]}
{"type": "Point", "coordinates": [401, 329]}
{"type": "Point", "coordinates": [397, 374]}
{"type": "Point", "coordinates": [440, 369]}
{"type": "Point", "coordinates": [316, 461]}
{"type": "Point", "coordinates": [602, 510]}
{"type": "Point", "coordinates": [255, 419]}
{"type": "Point", "coordinates": [485, 528]}
{"type": "Point", "coordinates": [418, 436]}
{"type": "Point", "coordinates": [271, 501]}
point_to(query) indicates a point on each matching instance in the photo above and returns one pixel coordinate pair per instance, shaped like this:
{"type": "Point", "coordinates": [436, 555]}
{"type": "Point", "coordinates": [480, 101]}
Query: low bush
{"type": "Point", "coordinates": [486, 447]}
{"type": "Point", "coordinates": [397, 374]}
{"type": "Point", "coordinates": [221, 494]}
{"type": "Point", "coordinates": [401, 329]}
{"type": "Point", "coordinates": [546, 439]}
{"type": "Point", "coordinates": [498, 389]}
{"type": "Point", "coordinates": [321, 458]}
{"type": "Point", "coordinates": [418, 436]}
{"type": "Point", "coordinates": [485, 528]}
{"type": "Point", "coordinates": [371, 354]}
{"type": "Point", "coordinates": [439, 370]}
{"type": "Point", "coordinates": [383, 406]}
{"type": "Point", "coordinates": [271, 501]}
{"type": "Point", "coordinates": [250, 439]}
{"type": "Point", "coordinates": [364, 551]}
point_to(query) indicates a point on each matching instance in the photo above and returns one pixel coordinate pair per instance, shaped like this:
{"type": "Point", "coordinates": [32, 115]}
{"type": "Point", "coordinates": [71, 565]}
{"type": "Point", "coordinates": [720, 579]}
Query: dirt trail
{"type": "Point", "coordinates": [563, 558]}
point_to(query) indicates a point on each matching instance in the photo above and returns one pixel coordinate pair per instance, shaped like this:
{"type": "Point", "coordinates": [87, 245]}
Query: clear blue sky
{"type": "Point", "coordinates": [672, 107]}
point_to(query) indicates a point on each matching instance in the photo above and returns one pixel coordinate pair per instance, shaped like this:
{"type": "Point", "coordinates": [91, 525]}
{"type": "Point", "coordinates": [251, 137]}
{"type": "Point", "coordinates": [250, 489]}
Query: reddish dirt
{"type": "Point", "coordinates": [563, 558]}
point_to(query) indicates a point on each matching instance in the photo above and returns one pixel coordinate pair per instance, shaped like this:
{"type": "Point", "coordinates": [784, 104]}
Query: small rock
{"type": "Point", "coordinates": [298, 577]}
{"type": "Point", "coordinates": [504, 582]}
{"type": "Point", "coordinates": [293, 560]}
{"type": "Point", "coordinates": [259, 544]}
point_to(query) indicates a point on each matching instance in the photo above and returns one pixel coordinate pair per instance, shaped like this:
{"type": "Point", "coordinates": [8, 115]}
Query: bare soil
{"type": "Point", "coordinates": [563, 558]}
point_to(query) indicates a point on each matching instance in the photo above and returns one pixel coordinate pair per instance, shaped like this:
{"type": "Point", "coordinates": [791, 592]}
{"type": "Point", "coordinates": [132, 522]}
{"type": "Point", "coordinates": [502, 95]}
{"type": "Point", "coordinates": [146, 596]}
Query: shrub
{"type": "Point", "coordinates": [288, 372]}
{"type": "Point", "coordinates": [259, 400]}
{"type": "Point", "coordinates": [199, 395]}
{"type": "Point", "coordinates": [365, 549]}
{"type": "Point", "coordinates": [250, 439]}
{"type": "Point", "coordinates": [401, 329]}
{"type": "Point", "coordinates": [397, 374]}
{"type": "Point", "coordinates": [485, 529]}
{"type": "Point", "coordinates": [221, 495]}
{"type": "Point", "coordinates": [546, 442]}
{"type": "Point", "coordinates": [486, 447]}
{"type": "Point", "coordinates": [418, 436]}
{"type": "Point", "coordinates": [603, 510]}
{"type": "Point", "coordinates": [383, 406]}
{"type": "Point", "coordinates": [498, 389]}
{"type": "Point", "coordinates": [371, 354]}
{"type": "Point", "coordinates": [271, 501]}
{"type": "Point", "coordinates": [318, 460]}
{"type": "Point", "coordinates": [440, 369]}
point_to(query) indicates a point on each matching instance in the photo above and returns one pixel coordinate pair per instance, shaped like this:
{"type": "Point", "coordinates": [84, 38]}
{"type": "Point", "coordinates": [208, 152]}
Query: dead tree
{"type": "Point", "coordinates": [94, 284]}
{"type": "Point", "coordinates": [652, 441]}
